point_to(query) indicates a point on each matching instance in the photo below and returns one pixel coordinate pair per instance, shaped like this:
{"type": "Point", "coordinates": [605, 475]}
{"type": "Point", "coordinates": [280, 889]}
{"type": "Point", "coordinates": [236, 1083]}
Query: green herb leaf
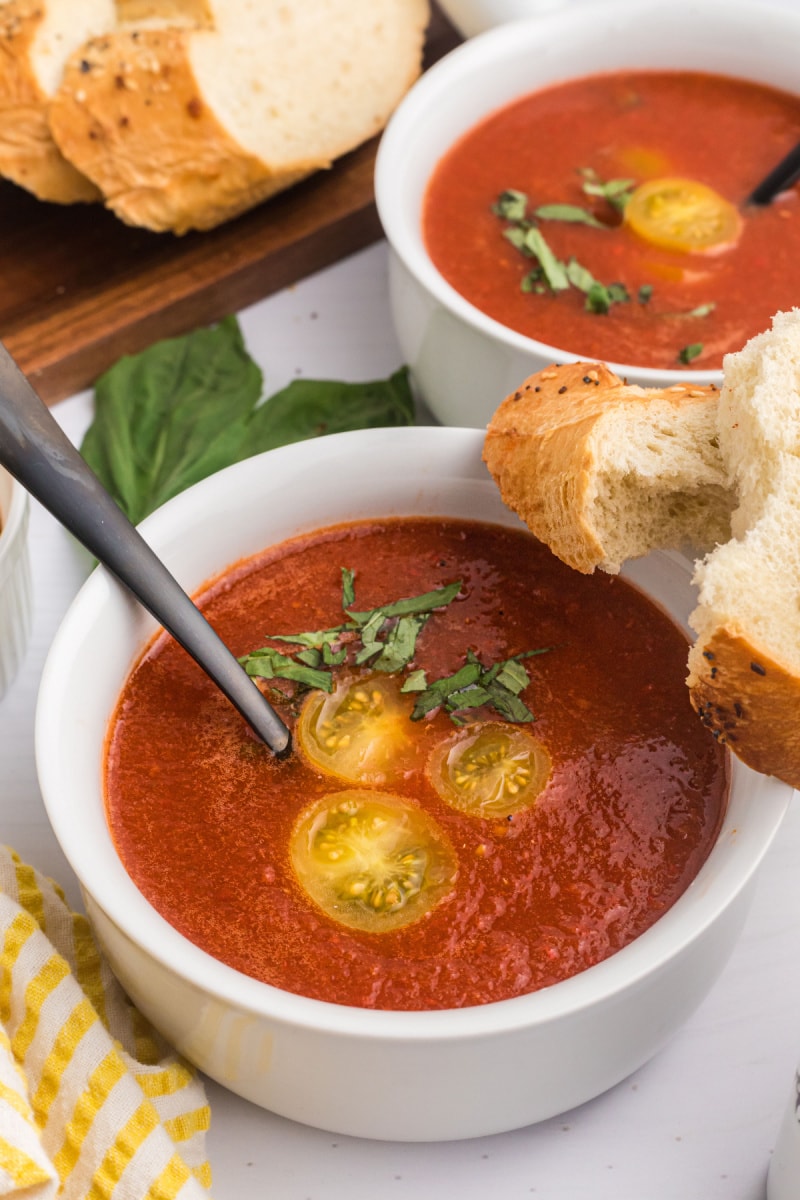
{"type": "Point", "coordinates": [579, 276]}
{"type": "Point", "coordinates": [644, 293]}
{"type": "Point", "coordinates": [554, 270]}
{"type": "Point", "coordinates": [271, 664]}
{"type": "Point", "coordinates": [702, 310]}
{"type": "Point", "coordinates": [310, 408]}
{"type": "Point", "coordinates": [600, 297]}
{"type": "Point", "coordinates": [616, 191]}
{"type": "Point", "coordinates": [427, 602]}
{"type": "Point", "coordinates": [511, 205]}
{"type": "Point", "coordinates": [688, 353]}
{"type": "Point", "coordinates": [568, 212]}
{"type": "Point", "coordinates": [171, 415]}
{"type": "Point", "coordinates": [188, 406]}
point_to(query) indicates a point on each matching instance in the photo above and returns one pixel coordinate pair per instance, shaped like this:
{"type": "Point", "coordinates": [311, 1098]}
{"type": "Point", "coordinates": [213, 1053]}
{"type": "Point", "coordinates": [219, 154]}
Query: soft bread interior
{"type": "Point", "coordinates": [303, 72]}
{"type": "Point", "coordinates": [660, 480]}
{"type": "Point", "coordinates": [64, 27]}
{"type": "Point", "coordinates": [752, 583]}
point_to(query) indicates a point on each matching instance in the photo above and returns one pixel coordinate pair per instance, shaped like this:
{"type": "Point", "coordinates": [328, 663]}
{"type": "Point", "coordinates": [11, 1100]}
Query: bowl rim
{"type": "Point", "coordinates": [455, 69]}
{"type": "Point", "coordinates": [112, 890]}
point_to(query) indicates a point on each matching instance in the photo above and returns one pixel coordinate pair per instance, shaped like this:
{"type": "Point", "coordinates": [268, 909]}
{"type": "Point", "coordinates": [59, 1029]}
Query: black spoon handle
{"type": "Point", "coordinates": [779, 178]}
{"type": "Point", "coordinates": [36, 451]}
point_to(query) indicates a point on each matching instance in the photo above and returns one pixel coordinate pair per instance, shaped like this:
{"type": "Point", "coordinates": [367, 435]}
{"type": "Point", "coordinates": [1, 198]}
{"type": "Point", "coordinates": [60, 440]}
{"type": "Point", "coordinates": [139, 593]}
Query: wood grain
{"type": "Point", "coordinates": [78, 288]}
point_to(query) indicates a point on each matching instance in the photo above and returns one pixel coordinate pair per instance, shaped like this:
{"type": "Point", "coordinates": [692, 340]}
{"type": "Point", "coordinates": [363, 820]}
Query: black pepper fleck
{"type": "Point", "coordinates": [757, 667]}
{"type": "Point", "coordinates": [562, 389]}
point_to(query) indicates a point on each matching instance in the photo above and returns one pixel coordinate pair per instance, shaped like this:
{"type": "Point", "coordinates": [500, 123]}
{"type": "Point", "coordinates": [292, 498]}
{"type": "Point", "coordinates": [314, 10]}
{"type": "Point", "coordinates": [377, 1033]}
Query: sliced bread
{"type": "Point", "coordinates": [602, 471]}
{"type": "Point", "coordinates": [36, 38]}
{"type": "Point", "coordinates": [744, 668]}
{"type": "Point", "coordinates": [184, 129]}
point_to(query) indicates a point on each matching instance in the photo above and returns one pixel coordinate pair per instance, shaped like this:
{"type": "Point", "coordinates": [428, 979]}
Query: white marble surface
{"type": "Point", "coordinates": [697, 1123]}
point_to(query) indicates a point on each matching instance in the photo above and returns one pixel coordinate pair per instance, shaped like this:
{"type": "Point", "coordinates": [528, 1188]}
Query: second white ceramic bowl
{"type": "Point", "coordinates": [464, 362]}
{"type": "Point", "coordinates": [409, 1076]}
{"type": "Point", "coordinates": [15, 578]}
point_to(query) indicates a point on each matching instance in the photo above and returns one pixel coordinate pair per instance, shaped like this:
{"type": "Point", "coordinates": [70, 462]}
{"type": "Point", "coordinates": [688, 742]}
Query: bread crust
{"type": "Point", "coordinates": [539, 448]}
{"type": "Point", "coordinates": [131, 115]}
{"type": "Point", "coordinates": [29, 156]}
{"type": "Point", "coordinates": [749, 701]}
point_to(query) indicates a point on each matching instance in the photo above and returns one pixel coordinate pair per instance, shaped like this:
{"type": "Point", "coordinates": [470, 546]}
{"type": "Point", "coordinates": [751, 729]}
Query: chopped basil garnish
{"type": "Point", "coordinates": [702, 310]}
{"type": "Point", "coordinates": [644, 293]}
{"type": "Point", "coordinates": [616, 191]}
{"type": "Point", "coordinates": [568, 212]}
{"type": "Point", "coordinates": [475, 686]}
{"type": "Point", "coordinates": [688, 353]}
{"type": "Point", "coordinates": [384, 639]}
{"type": "Point", "coordinates": [552, 274]}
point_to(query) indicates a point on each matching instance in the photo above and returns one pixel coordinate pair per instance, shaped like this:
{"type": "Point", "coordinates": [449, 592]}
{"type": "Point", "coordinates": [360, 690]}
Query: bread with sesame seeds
{"type": "Point", "coordinates": [36, 39]}
{"type": "Point", "coordinates": [603, 471]}
{"type": "Point", "coordinates": [185, 128]}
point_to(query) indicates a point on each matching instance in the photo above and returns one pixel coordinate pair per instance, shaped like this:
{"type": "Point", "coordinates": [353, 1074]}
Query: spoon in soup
{"type": "Point", "coordinates": [34, 449]}
{"type": "Point", "coordinates": [780, 177]}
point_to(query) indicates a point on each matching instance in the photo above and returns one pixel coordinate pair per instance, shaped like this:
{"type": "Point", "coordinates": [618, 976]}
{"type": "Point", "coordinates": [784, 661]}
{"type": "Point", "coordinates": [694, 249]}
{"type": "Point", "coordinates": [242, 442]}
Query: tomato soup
{"type": "Point", "coordinates": [611, 288]}
{"type": "Point", "coordinates": [553, 797]}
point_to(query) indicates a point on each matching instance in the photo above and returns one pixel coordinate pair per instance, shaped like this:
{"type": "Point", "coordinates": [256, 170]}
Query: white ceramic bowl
{"type": "Point", "coordinates": [15, 578]}
{"type": "Point", "coordinates": [448, 1074]}
{"type": "Point", "coordinates": [464, 362]}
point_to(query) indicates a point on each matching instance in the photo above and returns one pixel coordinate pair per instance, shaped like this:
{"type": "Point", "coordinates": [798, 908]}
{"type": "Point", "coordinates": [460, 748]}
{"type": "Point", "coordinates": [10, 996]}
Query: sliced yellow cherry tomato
{"type": "Point", "coordinates": [357, 732]}
{"type": "Point", "coordinates": [371, 860]}
{"type": "Point", "coordinates": [492, 771]}
{"type": "Point", "coordinates": [681, 214]}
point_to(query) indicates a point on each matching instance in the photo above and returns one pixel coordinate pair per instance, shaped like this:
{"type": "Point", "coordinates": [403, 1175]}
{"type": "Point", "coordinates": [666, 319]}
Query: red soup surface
{"type": "Point", "coordinates": [421, 864]}
{"type": "Point", "coordinates": [686, 302]}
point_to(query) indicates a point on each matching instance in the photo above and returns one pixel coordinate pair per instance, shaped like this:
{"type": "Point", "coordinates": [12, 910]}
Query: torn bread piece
{"type": "Point", "coordinates": [744, 668]}
{"type": "Point", "coordinates": [602, 471]}
{"type": "Point", "coordinates": [183, 129]}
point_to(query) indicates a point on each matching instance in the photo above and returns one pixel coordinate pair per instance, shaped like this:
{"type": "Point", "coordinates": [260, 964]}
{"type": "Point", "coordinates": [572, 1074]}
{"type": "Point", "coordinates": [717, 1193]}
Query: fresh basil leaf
{"type": "Point", "coordinates": [616, 191]}
{"type": "Point", "coordinates": [579, 276]}
{"type": "Point", "coordinates": [271, 664]}
{"type": "Point", "coordinates": [188, 406]}
{"type": "Point", "coordinates": [702, 310]}
{"type": "Point", "coordinates": [689, 353]}
{"type": "Point", "coordinates": [568, 212]}
{"type": "Point", "coordinates": [310, 408]}
{"type": "Point", "coordinates": [554, 270]}
{"type": "Point", "coordinates": [427, 602]}
{"type": "Point", "coordinates": [511, 205]}
{"type": "Point", "coordinates": [171, 415]}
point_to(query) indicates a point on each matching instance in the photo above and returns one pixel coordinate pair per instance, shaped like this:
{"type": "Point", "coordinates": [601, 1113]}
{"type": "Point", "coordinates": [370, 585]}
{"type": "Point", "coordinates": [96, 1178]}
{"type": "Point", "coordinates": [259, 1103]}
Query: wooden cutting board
{"type": "Point", "coordinates": [78, 288]}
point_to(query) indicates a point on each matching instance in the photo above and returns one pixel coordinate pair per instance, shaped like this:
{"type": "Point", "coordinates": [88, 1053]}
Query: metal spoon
{"type": "Point", "coordinates": [780, 177]}
{"type": "Point", "coordinates": [38, 453]}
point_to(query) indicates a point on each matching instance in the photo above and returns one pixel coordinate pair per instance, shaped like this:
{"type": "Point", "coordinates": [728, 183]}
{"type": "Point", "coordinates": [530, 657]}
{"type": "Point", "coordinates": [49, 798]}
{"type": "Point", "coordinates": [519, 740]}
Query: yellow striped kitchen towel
{"type": "Point", "coordinates": [93, 1104]}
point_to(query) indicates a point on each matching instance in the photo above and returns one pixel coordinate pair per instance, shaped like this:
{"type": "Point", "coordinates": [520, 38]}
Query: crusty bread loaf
{"type": "Point", "coordinates": [184, 129]}
{"type": "Point", "coordinates": [744, 668]}
{"type": "Point", "coordinates": [602, 471]}
{"type": "Point", "coordinates": [36, 39]}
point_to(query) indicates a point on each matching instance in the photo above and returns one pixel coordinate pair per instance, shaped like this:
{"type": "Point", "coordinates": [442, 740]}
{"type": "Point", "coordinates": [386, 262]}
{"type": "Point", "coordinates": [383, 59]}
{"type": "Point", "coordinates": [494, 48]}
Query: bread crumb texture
{"type": "Point", "coordinates": [744, 670]}
{"type": "Point", "coordinates": [602, 472]}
